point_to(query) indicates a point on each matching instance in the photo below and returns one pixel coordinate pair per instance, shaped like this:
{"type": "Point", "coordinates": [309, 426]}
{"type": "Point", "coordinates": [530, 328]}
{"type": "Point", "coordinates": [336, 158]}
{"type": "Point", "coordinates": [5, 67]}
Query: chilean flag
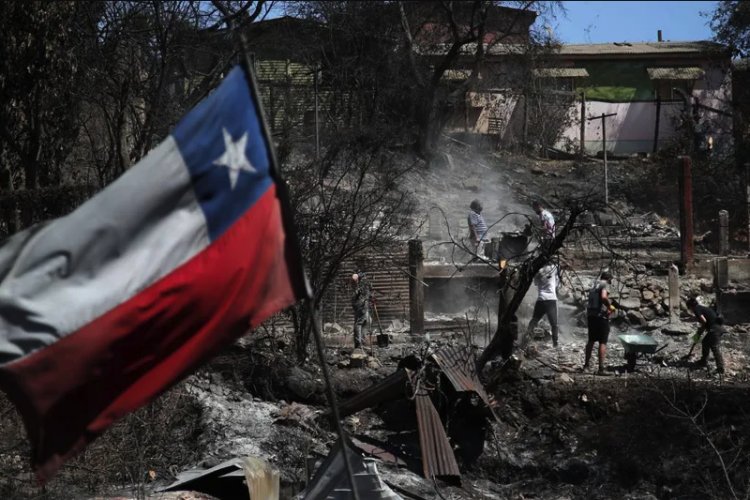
{"type": "Point", "coordinates": [105, 308]}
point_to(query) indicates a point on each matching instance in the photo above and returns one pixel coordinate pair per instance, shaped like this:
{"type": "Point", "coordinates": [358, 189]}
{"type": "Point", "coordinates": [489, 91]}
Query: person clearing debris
{"type": "Point", "coordinates": [598, 311]}
{"type": "Point", "coordinates": [546, 281]}
{"type": "Point", "coordinates": [361, 301]}
{"type": "Point", "coordinates": [712, 325]}
{"type": "Point", "coordinates": [477, 228]}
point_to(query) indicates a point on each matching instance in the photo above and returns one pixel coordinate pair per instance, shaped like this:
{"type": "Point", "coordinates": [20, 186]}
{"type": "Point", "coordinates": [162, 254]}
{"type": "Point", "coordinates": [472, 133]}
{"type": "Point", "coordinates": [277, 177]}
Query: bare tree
{"type": "Point", "coordinates": [152, 62]}
{"type": "Point", "coordinates": [39, 68]}
{"type": "Point", "coordinates": [439, 36]}
{"type": "Point", "coordinates": [407, 90]}
{"type": "Point", "coordinates": [79, 105]}
{"type": "Point", "coordinates": [350, 201]}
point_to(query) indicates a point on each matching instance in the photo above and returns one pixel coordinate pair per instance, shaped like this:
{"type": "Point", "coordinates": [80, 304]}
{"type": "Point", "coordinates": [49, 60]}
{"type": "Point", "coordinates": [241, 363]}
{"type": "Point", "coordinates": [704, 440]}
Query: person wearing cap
{"type": "Point", "coordinates": [361, 300]}
{"type": "Point", "coordinates": [598, 311]}
{"type": "Point", "coordinates": [710, 324]}
{"type": "Point", "coordinates": [477, 227]}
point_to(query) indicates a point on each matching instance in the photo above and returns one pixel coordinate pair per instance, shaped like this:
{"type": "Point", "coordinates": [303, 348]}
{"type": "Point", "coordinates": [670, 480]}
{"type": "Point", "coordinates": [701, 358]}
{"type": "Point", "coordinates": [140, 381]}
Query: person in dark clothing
{"type": "Point", "coordinates": [361, 300]}
{"type": "Point", "coordinates": [711, 325]}
{"type": "Point", "coordinates": [598, 310]}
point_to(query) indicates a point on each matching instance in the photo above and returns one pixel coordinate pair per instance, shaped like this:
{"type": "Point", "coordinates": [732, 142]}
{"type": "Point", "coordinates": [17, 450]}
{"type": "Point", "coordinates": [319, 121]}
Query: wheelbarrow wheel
{"type": "Point", "coordinates": [630, 361]}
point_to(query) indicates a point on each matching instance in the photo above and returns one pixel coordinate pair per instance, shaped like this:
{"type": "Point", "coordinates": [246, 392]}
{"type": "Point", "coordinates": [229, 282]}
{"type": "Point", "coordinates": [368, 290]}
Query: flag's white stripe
{"type": "Point", "coordinates": [60, 276]}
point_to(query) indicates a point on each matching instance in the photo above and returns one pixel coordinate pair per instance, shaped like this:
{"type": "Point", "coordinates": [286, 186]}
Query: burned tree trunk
{"type": "Point", "coordinates": [514, 283]}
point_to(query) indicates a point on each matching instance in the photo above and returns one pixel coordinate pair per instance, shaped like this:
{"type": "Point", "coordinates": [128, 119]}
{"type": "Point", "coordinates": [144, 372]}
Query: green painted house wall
{"type": "Point", "coordinates": [617, 81]}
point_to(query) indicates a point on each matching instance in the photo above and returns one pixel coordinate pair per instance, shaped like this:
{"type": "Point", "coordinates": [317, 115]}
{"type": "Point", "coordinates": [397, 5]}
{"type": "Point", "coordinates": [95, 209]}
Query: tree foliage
{"type": "Point", "coordinates": [731, 25]}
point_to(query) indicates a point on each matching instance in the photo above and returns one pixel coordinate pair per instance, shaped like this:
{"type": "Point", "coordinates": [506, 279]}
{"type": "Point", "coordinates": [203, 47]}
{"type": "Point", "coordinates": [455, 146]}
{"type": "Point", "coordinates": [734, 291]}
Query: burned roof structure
{"type": "Point", "coordinates": [420, 381]}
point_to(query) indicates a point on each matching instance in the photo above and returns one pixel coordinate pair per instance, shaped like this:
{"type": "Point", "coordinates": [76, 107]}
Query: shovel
{"type": "Point", "coordinates": [687, 356]}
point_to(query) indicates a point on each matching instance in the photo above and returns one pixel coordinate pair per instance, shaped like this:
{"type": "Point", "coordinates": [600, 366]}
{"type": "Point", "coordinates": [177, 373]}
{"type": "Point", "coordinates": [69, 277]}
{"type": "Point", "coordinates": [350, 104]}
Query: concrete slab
{"type": "Point", "coordinates": [738, 270]}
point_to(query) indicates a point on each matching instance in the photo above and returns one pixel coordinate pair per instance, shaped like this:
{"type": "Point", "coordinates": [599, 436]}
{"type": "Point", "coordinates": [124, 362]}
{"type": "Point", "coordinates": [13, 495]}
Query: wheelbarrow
{"type": "Point", "coordinates": [636, 345]}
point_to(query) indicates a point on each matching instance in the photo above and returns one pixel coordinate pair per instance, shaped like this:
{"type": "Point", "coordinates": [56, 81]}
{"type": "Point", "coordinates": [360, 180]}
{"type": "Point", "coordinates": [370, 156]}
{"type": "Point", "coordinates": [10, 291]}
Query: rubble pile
{"type": "Point", "coordinates": [638, 301]}
{"type": "Point", "coordinates": [651, 224]}
{"type": "Point", "coordinates": [641, 301]}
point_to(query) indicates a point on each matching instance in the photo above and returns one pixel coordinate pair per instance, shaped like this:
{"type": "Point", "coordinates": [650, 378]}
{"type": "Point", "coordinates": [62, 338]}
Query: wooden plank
{"type": "Point", "coordinates": [416, 287]}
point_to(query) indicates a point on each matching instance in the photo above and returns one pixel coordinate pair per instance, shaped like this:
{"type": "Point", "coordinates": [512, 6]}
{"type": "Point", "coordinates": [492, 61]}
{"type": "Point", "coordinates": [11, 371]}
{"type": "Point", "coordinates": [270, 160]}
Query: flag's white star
{"type": "Point", "coordinates": [234, 157]}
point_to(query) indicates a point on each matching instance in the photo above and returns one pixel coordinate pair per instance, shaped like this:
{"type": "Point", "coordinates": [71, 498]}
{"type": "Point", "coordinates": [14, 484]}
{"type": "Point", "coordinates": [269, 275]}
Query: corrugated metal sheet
{"type": "Point", "coordinates": [460, 367]}
{"type": "Point", "coordinates": [438, 459]}
{"type": "Point", "coordinates": [378, 452]}
{"type": "Point", "coordinates": [284, 71]}
{"type": "Point", "coordinates": [691, 73]}
{"type": "Point", "coordinates": [391, 387]}
{"type": "Point", "coordinates": [560, 73]}
{"type": "Point", "coordinates": [287, 106]}
{"type": "Point", "coordinates": [330, 481]}
{"type": "Point", "coordinates": [385, 271]}
{"type": "Point", "coordinates": [457, 74]}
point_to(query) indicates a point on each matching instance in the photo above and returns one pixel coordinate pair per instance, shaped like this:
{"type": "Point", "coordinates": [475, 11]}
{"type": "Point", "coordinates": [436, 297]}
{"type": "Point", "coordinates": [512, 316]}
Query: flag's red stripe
{"type": "Point", "coordinates": [71, 391]}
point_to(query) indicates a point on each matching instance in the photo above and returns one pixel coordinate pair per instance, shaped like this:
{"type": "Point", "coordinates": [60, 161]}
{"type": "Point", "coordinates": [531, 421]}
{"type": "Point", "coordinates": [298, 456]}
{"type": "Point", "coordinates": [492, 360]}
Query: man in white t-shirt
{"type": "Point", "coordinates": [547, 221]}
{"type": "Point", "coordinates": [546, 281]}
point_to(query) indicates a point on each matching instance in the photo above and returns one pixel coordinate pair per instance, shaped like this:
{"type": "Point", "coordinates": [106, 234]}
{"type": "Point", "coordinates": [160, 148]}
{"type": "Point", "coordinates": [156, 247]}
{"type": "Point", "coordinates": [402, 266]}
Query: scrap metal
{"type": "Point", "coordinates": [378, 452]}
{"type": "Point", "coordinates": [390, 388]}
{"type": "Point", "coordinates": [460, 367]}
{"type": "Point", "coordinates": [438, 459]}
{"type": "Point", "coordinates": [330, 482]}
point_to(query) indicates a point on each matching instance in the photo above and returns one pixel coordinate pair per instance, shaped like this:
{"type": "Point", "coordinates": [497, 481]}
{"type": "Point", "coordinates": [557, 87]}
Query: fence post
{"type": "Point", "coordinates": [721, 272]}
{"type": "Point", "coordinates": [583, 125]}
{"type": "Point", "coordinates": [686, 212]}
{"type": "Point", "coordinates": [674, 293]}
{"type": "Point", "coordinates": [416, 287]}
{"type": "Point", "coordinates": [723, 233]}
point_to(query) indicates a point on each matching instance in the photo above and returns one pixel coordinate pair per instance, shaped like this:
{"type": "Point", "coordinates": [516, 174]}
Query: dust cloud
{"type": "Point", "coordinates": [445, 190]}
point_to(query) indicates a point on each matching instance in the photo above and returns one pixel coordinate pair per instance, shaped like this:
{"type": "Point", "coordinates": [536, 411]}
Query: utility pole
{"type": "Point", "coordinates": [686, 183]}
{"type": "Point", "coordinates": [583, 125]}
{"type": "Point", "coordinates": [416, 287]}
{"type": "Point", "coordinates": [686, 212]}
{"type": "Point", "coordinates": [603, 118]}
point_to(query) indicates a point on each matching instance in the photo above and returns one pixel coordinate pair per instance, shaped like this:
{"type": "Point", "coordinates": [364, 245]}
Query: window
{"type": "Point", "coordinates": [665, 89]}
{"type": "Point", "coordinates": [666, 80]}
{"type": "Point", "coordinates": [560, 79]}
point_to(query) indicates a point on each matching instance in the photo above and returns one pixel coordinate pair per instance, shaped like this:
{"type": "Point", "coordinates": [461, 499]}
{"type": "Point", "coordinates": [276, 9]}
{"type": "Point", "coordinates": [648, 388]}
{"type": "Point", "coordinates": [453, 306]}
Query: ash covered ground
{"type": "Point", "coordinates": [662, 431]}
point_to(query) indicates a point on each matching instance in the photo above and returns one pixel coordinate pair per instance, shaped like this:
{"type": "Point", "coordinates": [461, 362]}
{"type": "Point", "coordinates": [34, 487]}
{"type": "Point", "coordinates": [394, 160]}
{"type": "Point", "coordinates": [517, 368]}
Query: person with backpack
{"type": "Point", "coordinates": [712, 325]}
{"type": "Point", "coordinates": [598, 311]}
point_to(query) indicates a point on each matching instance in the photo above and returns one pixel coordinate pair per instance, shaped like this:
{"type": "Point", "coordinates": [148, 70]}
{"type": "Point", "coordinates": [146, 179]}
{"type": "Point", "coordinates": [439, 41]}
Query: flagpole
{"type": "Point", "coordinates": [292, 245]}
